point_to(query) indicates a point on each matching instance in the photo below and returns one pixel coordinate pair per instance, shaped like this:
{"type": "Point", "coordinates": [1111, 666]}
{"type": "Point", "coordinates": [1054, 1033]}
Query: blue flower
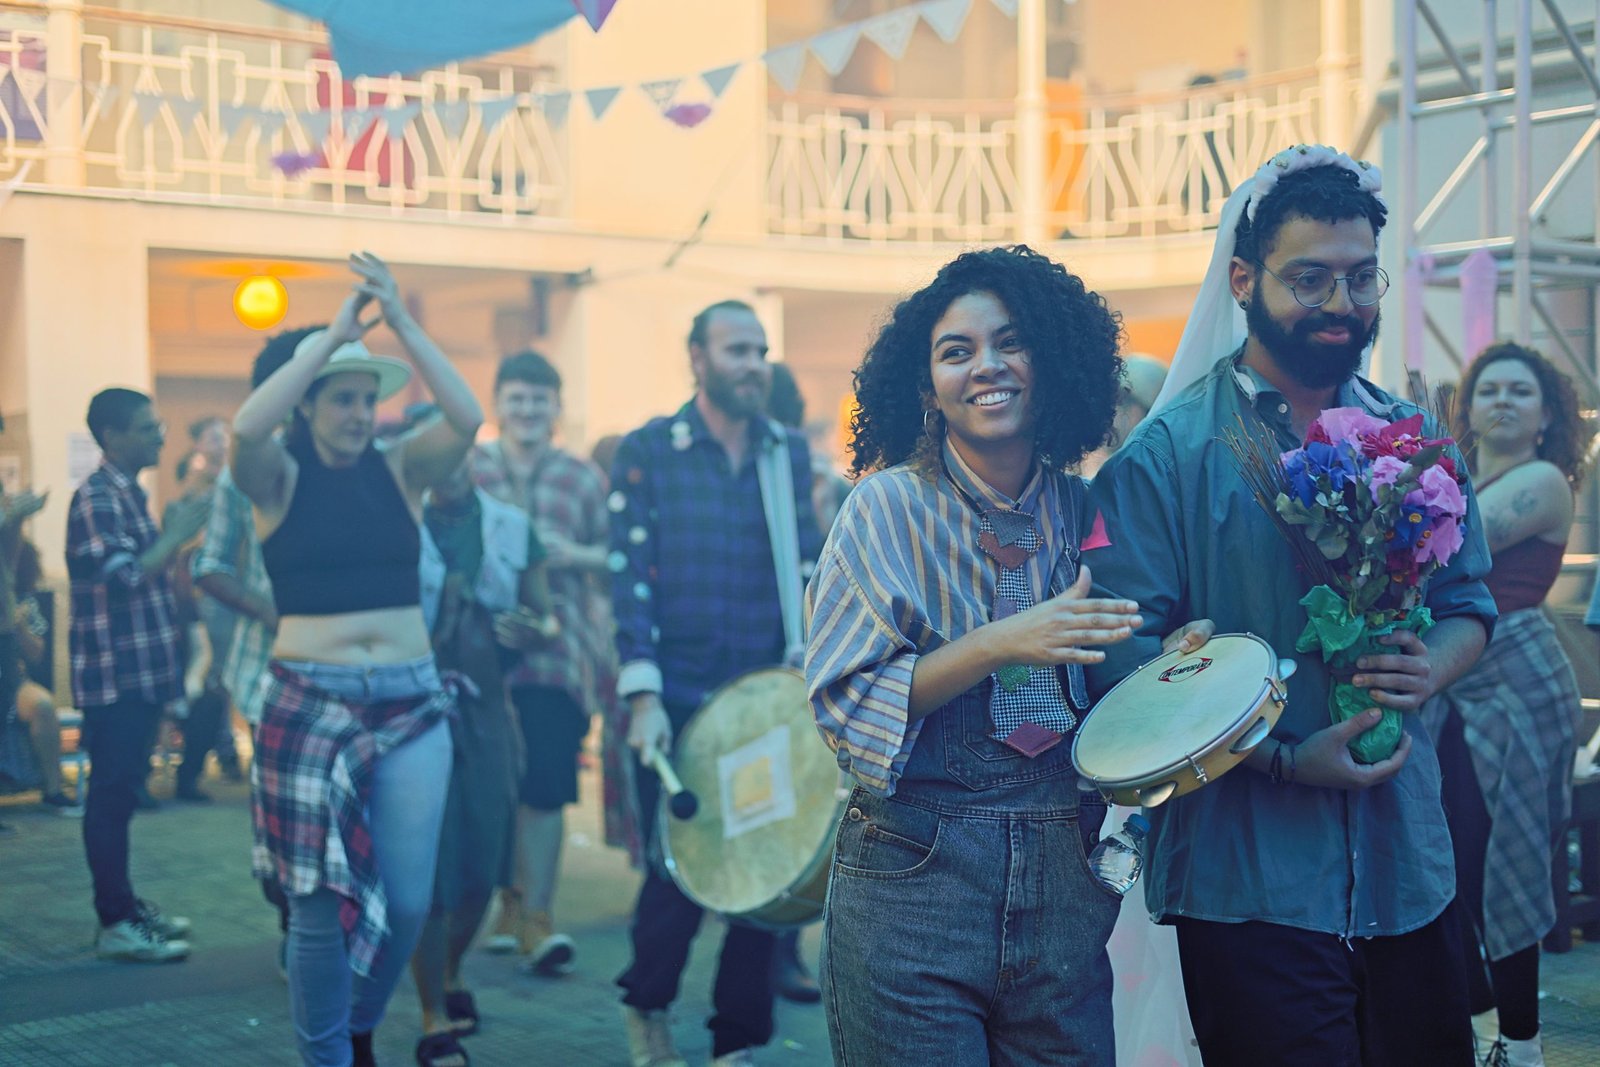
{"type": "Point", "coordinates": [1308, 466]}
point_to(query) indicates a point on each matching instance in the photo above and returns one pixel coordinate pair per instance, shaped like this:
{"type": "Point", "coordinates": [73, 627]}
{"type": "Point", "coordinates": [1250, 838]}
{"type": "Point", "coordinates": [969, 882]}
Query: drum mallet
{"type": "Point", "coordinates": [682, 803]}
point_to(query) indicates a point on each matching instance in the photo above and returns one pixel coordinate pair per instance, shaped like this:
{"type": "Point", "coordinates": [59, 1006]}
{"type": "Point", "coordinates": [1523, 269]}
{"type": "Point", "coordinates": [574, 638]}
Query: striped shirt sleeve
{"type": "Point", "coordinates": [858, 657]}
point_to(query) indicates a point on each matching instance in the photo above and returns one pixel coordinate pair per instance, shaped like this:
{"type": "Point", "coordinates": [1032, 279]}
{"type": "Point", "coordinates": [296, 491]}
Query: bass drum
{"type": "Point", "coordinates": [760, 847]}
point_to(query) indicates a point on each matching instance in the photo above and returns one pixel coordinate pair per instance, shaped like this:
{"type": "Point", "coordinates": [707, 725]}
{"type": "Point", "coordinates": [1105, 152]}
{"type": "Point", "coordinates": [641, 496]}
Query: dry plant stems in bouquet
{"type": "Point", "coordinates": [1371, 509]}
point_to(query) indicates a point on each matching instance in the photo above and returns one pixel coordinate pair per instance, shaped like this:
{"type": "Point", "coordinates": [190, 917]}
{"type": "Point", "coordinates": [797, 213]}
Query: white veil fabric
{"type": "Point", "coordinates": [1216, 326]}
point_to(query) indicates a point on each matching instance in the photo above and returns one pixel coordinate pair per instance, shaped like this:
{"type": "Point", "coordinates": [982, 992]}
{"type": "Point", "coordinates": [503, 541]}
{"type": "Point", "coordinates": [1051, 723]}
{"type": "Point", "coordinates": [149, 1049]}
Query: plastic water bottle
{"type": "Point", "coordinates": [1118, 859]}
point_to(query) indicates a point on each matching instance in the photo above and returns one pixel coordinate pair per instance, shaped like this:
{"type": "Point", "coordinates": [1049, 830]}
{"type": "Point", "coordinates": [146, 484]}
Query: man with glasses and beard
{"type": "Point", "coordinates": [1312, 895]}
{"type": "Point", "coordinates": [697, 603]}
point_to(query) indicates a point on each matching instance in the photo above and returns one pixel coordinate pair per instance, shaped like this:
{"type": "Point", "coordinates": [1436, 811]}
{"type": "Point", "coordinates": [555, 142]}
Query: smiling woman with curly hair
{"type": "Point", "coordinates": [950, 623]}
{"type": "Point", "coordinates": [1070, 334]}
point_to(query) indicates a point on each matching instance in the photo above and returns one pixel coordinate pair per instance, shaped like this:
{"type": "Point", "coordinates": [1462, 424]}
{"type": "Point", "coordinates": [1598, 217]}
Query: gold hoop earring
{"type": "Point", "coordinates": [927, 427]}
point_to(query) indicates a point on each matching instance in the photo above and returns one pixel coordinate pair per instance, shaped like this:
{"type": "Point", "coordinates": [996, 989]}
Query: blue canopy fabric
{"type": "Point", "coordinates": [378, 37]}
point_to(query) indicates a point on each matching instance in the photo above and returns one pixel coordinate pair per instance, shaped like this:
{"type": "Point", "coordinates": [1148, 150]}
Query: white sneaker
{"type": "Point", "coordinates": [170, 927]}
{"type": "Point", "coordinates": [1529, 1053]}
{"type": "Point", "coordinates": [137, 941]}
{"type": "Point", "coordinates": [739, 1058]}
{"type": "Point", "coordinates": [650, 1038]}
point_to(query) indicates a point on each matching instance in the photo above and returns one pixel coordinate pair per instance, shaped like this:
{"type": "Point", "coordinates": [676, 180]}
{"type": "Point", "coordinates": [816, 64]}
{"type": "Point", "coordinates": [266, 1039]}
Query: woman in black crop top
{"type": "Point", "coordinates": [353, 684]}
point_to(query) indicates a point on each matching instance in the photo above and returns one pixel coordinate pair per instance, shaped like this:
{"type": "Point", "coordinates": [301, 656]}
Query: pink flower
{"type": "Point", "coordinates": [1439, 493]}
{"type": "Point", "coordinates": [1346, 424]}
{"type": "Point", "coordinates": [1441, 542]}
{"type": "Point", "coordinates": [1386, 470]}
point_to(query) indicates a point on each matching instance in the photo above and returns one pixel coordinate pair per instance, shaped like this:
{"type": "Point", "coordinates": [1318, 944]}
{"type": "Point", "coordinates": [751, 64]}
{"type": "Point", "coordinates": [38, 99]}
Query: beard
{"type": "Point", "coordinates": [723, 391]}
{"type": "Point", "coordinates": [1311, 363]}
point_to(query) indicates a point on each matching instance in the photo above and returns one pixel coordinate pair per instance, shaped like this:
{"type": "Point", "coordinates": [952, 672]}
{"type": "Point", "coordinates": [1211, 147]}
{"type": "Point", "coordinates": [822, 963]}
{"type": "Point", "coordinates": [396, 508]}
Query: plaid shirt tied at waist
{"type": "Point", "coordinates": [314, 762]}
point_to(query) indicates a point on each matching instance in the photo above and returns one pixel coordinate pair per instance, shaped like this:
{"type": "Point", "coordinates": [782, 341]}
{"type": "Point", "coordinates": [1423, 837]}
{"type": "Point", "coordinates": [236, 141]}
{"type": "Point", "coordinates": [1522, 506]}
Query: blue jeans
{"type": "Point", "coordinates": [327, 1001]}
{"type": "Point", "coordinates": [965, 933]}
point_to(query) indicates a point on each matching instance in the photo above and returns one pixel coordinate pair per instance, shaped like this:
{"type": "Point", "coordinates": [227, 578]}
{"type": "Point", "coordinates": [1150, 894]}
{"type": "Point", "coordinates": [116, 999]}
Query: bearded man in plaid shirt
{"type": "Point", "coordinates": [126, 661]}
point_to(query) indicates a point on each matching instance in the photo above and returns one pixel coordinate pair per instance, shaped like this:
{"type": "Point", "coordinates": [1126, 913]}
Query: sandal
{"type": "Point", "coordinates": [441, 1050]}
{"type": "Point", "coordinates": [462, 1013]}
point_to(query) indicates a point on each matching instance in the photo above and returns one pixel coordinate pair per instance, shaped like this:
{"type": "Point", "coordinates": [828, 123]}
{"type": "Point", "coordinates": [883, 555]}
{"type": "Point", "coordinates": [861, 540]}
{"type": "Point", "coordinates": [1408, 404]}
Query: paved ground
{"type": "Point", "coordinates": [226, 1005]}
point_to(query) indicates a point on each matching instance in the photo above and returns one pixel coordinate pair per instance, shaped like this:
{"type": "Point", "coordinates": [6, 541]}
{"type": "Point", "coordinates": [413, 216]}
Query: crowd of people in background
{"type": "Point", "coordinates": [403, 635]}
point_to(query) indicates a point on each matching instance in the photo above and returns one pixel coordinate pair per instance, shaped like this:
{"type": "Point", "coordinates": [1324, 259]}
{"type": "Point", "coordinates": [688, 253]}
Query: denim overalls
{"type": "Point", "coordinates": [963, 926]}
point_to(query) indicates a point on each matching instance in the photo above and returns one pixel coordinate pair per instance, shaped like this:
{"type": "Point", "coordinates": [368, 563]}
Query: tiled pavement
{"type": "Point", "coordinates": [226, 1005]}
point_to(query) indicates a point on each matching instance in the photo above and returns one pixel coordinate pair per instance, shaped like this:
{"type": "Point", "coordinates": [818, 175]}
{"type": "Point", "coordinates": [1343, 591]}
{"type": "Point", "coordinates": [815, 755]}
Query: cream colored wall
{"type": "Point", "coordinates": [644, 174]}
{"type": "Point", "coordinates": [86, 328]}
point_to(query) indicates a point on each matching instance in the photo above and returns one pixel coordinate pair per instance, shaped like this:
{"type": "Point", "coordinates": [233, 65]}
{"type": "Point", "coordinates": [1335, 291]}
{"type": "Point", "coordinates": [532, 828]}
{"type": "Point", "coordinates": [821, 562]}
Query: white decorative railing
{"type": "Point", "coordinates": [881, 170]}
{"type": "Point", "coordinates": [853, 168]}
{"type": "Point", "coordinates": [172, 111]}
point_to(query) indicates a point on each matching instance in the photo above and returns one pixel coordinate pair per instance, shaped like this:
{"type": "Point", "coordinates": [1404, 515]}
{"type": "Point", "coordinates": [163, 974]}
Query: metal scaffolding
{"type": "Point", "coordinates": [1474, 113]}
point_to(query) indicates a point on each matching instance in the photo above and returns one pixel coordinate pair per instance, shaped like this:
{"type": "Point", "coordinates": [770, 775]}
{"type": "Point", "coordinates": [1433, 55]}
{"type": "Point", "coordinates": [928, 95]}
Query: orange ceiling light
{"type": "Point", "coordinates": [261, 301]}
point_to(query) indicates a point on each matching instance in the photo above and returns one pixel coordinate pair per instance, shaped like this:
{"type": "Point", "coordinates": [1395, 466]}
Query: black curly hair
{"type": "Point", "coordinates": [1069, 332]}
{"type": "Point", "coordinates": [1329, 193]}
{"type": "Point", "coordinates": [1565, 442]}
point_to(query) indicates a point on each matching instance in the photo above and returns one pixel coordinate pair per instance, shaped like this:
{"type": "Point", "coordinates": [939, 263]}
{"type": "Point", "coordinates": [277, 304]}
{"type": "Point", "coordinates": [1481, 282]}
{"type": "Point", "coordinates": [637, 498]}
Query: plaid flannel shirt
{"type": "Point", "coordinates": [124, 636]}
{"type": "Point", "coordinates": [565, 498]}
{"type": "Point", "coordinates": [693, 585]}
{"type": "Point", "coordinates": [231, 547]}
{"type": "Point", "coordinates": [314, 761]}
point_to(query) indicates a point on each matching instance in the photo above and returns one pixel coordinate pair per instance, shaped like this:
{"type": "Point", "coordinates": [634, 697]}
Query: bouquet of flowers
{"type": "Point", "coordinates": [1371, 510]}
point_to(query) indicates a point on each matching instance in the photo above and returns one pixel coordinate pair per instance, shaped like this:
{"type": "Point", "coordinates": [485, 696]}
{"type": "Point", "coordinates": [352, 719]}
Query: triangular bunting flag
{"type": "Point", "coordinates": [31, 82]}
{"type": "Point", "coordinates": [494, 110]}
{"type": "Point", "coordinates": [1008, 8]}
{"type": "Point", "coordinates": [556, 106]}
{"type": "Point", "coordinates": [316, 124]}
{"type": "Point", "coordinates": [892, 32]}
{"type": "Point", "coordinates": [104, 95]}
{"type": "Point", "coordinates": [600, 99]}
{"type": "Point", "coordinates": [834, 48]}
{"type": "Point", "coordinates": [717, 80]}
{"type": "Point", "coordinates": [397, 120]}
{"type": "Point", "coordinates": [786, 64]}
{"type": "Point", "coordinates": [594, 12]}
{"type": "Point", "coordinates": [233, 116]}
{"type": "Point", "coordinates": [149, 106]}
{"type": "Point", "coordinates": [453, 115]}
{"type": "Point", "coordinates": [355, 120]}
{"type": "Point", "coordinates": [270, 123]}
{"type": "Point", "coordinates": [661, 92]}
{"type": "Point", "coordinates": [185, 111]}
{"type": "Point", "coordinates": [946, 17]}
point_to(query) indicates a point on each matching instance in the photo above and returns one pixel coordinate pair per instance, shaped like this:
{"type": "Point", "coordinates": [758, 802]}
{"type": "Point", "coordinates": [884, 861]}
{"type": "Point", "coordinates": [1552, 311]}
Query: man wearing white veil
{"type": "Point", "coordinates": [1312, 895]}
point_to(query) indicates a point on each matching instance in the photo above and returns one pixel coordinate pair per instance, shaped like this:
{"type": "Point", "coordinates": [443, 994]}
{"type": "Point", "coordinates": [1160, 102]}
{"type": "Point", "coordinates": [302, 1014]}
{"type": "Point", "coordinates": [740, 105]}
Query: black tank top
{"type": "Point", "coordinates": [348, 541]}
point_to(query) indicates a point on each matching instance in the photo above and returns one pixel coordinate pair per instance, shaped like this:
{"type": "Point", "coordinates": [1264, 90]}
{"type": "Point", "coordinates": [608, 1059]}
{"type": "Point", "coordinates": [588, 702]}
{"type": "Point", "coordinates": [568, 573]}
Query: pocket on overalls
{"type": "Point", "coordinates": [881, 839]}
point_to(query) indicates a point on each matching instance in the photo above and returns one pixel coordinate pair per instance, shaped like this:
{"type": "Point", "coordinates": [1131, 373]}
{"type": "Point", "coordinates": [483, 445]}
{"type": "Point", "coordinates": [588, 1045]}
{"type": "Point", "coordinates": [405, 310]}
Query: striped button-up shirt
{"type": "Point", "coordinates": [901, 576]}
{"type": "Point", "coordinates": [124, 634]}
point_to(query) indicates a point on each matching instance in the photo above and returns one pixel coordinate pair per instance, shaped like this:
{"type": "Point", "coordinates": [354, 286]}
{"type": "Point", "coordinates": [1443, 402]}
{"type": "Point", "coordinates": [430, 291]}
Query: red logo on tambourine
{"type": "Point", "coordinates": [1185, 670]}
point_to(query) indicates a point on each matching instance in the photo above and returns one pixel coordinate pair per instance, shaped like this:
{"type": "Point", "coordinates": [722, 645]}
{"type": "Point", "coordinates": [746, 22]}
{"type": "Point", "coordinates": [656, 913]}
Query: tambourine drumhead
{"type": "Point", "coordinates": [769, 797]}
{"type": "Point", "coordinates": [1175, 706]}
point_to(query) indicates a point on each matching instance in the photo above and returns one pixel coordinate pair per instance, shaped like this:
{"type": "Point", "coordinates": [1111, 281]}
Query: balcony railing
{"type": "Point", "coordinates": [874, 170]}
{"type": "Point", "coordinates": [186, 110]}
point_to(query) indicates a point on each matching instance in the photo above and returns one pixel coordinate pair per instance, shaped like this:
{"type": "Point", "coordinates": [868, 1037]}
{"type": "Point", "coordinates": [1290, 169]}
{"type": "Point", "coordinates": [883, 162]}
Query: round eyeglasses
{"type": "Point", "coordinates": [1315, 286]}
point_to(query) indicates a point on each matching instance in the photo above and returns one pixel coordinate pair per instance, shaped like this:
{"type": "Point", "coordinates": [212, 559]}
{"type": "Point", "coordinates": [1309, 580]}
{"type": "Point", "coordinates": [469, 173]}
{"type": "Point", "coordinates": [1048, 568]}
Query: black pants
{"type": "Point", "coordinates": [1510, 984]}
{"type": "Point", "coordinates": [664, 925]}
{"type": "Point", "coordinates": [118, 742]}
{"type": "Point", "coordinates": [1260, 993]}
{"type": "Point", "coordinates": [200, 731]}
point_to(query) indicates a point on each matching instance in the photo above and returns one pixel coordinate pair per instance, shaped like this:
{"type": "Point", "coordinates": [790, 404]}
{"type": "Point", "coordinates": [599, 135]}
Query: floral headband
{"type": "Point", "coordinates": [1369, 179]}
